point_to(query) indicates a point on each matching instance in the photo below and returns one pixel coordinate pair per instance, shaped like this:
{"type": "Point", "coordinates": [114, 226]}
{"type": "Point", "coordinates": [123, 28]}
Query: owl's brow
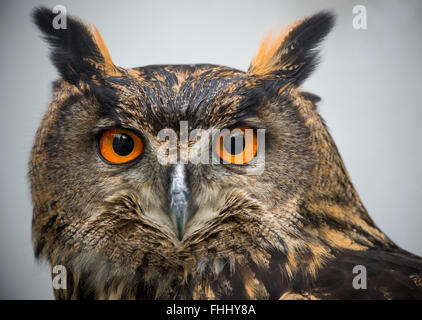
{"type": "Point", "coordinates": [247, 106]}
{"type": "Point", "coordinates": [239, 103]}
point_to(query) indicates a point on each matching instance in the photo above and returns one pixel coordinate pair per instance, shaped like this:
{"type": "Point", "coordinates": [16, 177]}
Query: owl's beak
{"type": "Point", "coordinates": [179, 199]}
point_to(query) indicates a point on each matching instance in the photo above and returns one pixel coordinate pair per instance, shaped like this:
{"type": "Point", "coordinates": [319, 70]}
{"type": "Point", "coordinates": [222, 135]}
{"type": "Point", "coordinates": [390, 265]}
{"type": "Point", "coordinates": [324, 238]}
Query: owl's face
{"type": "Point", "coordinates": [106, 204]}
{"type": "Point", "coordinates": [105, 153]}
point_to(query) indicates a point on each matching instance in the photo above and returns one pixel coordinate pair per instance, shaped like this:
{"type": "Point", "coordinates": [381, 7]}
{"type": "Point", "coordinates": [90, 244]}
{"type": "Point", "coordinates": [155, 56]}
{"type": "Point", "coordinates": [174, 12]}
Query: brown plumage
{"type": "Point", "coordinates": [294, 231]}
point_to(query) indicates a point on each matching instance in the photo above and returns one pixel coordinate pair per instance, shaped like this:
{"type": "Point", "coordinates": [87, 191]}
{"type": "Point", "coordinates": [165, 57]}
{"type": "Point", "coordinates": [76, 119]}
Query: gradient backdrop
{"type": "Point", "coordinates": [369, 81]}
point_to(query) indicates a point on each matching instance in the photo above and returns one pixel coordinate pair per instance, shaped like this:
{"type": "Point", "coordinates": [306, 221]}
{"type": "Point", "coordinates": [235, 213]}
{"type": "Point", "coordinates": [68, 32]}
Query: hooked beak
{"type": "Point", "coordinates": [179, 199]}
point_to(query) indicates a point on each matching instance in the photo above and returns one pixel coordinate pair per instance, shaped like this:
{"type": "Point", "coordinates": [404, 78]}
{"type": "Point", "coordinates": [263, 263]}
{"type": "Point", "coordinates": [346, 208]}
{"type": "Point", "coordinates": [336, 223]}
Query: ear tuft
{"type": "Point", "coordinates": [78, 51]}
{"type": "Point", "coordinates": [293, 54]}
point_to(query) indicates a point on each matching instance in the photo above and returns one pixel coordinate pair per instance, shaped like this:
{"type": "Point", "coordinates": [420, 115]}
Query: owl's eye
{"type": "Point", "coordinates": [119, 145]}
{"type": "Point", "coordinates": [237, 146]}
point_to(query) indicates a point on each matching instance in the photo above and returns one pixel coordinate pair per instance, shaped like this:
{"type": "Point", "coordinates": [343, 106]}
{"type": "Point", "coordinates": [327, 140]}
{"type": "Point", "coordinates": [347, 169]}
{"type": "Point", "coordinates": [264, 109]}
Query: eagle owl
{"type": "Point", "coordinates": [126, 225]}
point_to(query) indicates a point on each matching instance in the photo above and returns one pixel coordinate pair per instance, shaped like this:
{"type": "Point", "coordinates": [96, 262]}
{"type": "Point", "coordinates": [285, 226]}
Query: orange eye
{"type": "Point", "coordinates": [237, 146]}
{"type": "Point", "coordinates": [120, 146]}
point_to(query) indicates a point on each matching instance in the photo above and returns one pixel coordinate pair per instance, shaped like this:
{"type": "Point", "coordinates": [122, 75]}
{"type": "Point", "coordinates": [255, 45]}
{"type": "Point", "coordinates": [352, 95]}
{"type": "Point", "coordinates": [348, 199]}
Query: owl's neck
{"type": "Point", "coordinates": [331, 209]}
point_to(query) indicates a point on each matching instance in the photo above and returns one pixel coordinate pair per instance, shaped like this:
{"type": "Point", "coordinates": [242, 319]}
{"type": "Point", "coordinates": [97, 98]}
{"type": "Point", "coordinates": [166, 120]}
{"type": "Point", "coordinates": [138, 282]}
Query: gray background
{"type": "Point", "coordinates": [369, 81]}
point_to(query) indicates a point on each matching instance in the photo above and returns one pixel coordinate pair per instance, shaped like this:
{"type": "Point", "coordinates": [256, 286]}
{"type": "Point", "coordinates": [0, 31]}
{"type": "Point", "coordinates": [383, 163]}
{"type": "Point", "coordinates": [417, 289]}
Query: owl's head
{"type": "Point", "coordinates": [120, 201]}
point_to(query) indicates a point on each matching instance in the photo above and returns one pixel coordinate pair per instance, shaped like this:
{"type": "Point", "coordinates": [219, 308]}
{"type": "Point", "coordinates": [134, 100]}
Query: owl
{"type": "Point", "coordinates": [269, 211]}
